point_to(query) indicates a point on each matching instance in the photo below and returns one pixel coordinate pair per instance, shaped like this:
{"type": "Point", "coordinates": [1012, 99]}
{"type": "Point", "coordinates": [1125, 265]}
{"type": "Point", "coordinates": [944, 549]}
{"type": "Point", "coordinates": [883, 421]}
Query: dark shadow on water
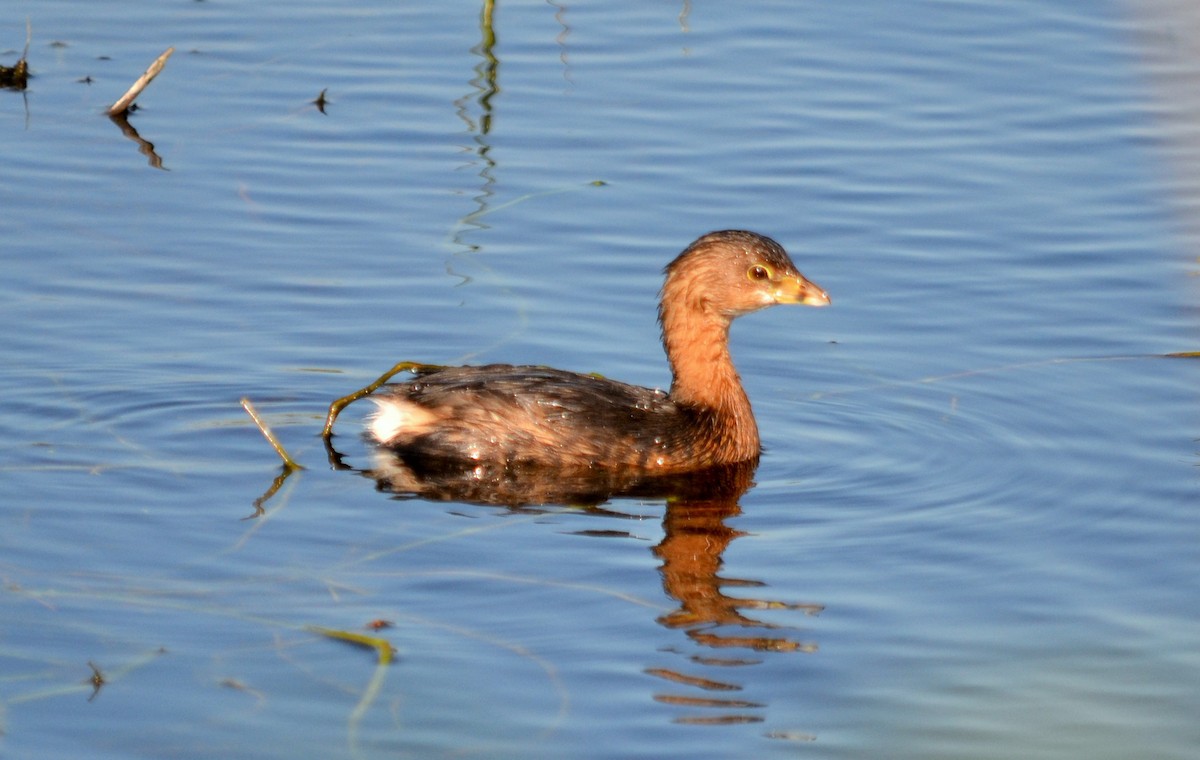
{"type": "Point", "coordinates": [523, 487]}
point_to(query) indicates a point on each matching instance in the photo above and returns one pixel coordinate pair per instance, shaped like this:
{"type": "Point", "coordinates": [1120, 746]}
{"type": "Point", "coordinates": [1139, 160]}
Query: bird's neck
{"type": "Point", "coordinates": [704, 378]}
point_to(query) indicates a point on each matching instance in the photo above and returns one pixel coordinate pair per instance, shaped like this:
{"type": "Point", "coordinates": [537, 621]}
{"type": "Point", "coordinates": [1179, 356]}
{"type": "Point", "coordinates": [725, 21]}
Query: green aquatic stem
{"type": "Point", "coordinates": [338, 405]}
{"type": "Point", "coordinates": [382, 646]}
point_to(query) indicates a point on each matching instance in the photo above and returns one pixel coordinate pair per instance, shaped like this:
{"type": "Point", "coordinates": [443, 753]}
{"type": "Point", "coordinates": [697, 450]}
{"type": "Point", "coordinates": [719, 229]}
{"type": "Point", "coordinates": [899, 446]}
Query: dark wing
{"type": "Point", "coordinates": [541, 415]}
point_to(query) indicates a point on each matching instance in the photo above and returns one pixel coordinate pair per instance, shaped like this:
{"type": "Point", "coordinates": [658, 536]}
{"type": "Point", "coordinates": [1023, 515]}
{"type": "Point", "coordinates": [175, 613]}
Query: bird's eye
{"type": "Point", "coordinates": [758, 273]}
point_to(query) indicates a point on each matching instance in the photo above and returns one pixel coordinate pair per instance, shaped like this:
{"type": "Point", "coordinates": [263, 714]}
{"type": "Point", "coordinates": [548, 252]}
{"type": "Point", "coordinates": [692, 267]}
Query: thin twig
{"type": "Point", "coordinates": [122, 105]}
{"type": "Point", "coordinates": [288, 462]}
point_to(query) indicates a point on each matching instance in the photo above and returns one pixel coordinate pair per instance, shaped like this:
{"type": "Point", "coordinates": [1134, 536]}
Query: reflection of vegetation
{"type": "Point", "coordinates": [484, 87]}
{"type": "Point", "coordinates": [684, 13]}
{"type": "Point", "coordinates": [560, 15]}
{"type": "Point", "coordinates": [259, 508]}
{"type": "Point", "coordinates": [487, 79]}
{"type": "Point", "coordinates": [145, 147]}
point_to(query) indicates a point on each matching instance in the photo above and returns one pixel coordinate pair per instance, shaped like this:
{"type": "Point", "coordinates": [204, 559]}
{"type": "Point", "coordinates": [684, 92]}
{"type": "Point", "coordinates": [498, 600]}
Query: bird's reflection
{"type": "Point", "coordinates": [523, 487]}
{"type": "Point", "coordinates": [696, 533]}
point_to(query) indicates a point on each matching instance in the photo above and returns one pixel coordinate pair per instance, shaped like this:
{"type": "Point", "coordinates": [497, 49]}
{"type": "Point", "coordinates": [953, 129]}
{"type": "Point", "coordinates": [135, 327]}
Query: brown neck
{"type": "Point", "coordinates": [703, 375]}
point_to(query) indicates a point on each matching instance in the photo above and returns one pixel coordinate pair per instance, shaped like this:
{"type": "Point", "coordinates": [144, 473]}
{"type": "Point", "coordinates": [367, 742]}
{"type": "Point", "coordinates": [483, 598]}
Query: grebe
{"type": "Point", "coordinates": [530, 416]}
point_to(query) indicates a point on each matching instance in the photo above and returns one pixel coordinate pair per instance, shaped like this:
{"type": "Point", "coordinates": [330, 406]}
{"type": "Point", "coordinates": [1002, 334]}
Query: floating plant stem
{"type": "Point", "coordinates": [382, 646]}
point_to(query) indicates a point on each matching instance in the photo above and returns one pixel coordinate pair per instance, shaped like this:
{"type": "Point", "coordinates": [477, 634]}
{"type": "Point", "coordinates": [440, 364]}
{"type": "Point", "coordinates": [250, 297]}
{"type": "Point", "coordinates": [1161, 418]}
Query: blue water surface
{"type": "Point", "coordinates": [973, 532]}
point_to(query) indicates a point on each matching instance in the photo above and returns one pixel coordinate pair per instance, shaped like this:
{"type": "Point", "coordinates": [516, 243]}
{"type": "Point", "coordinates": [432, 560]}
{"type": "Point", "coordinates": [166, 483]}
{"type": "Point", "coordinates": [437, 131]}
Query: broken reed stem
{"type": "Point", "coordinates": [288, 463]}
{"type": "Point", "coordinates": [122, 105]}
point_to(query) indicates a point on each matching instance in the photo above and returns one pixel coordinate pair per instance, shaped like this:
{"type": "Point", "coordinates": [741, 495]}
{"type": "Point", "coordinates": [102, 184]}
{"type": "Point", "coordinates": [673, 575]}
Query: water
{"type": "Point", "coordinates": [973, 533]}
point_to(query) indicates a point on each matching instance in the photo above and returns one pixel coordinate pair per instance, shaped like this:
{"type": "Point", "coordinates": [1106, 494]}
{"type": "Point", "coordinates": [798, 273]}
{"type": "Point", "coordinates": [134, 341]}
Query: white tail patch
{"type": "Point", "coordinates": [397, 420]}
